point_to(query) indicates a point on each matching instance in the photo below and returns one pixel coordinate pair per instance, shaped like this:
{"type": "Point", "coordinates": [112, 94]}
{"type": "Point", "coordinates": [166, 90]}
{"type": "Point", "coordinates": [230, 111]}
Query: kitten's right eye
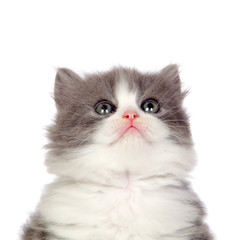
{"type": "Point", "coordinates": [104, 108]}
{"type": "Point", "coordinates": [150, 106]}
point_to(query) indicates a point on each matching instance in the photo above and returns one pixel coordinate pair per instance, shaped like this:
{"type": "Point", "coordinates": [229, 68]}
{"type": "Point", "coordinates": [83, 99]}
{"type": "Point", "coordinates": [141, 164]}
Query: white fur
{"type": "Point", "coordinates": [116, 187]}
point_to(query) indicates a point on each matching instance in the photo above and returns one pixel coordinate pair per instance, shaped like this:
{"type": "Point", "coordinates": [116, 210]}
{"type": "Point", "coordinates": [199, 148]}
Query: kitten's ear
{"type": "Point", "coordinates": [171, 74]}
{"type": "Point", "coordinates": [67, 83]}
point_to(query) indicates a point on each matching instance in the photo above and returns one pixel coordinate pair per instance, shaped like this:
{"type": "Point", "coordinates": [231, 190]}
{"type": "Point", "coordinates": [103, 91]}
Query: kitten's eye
{"type": "Point", "coordinates": [150, 106]}
{"type": "Point", "coordinates": [104, 108]}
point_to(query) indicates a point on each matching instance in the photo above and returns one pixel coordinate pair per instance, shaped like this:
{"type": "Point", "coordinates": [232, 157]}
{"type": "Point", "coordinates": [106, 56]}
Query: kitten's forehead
{"type": "Point", "coordinates": [140, 85]}
{"type": "Point", "coordinates": [126, 96]}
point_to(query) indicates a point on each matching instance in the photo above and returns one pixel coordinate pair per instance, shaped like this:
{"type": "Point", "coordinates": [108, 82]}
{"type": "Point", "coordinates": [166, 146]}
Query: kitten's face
{"type": "Point", "coordinates": [120, 106]}
{"type": "Point", "coordinates": [108, 113]}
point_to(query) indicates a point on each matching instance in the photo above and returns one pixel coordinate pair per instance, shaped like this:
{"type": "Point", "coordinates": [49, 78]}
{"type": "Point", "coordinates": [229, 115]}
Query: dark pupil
{"type": "Point", "coordinates": [149, 107]}
{"type": "Point", "coordinates": [105, 109]}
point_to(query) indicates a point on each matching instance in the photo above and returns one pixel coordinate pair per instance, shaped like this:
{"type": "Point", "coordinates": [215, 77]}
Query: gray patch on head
{"type": "Point", "coordinates": [76, 119]}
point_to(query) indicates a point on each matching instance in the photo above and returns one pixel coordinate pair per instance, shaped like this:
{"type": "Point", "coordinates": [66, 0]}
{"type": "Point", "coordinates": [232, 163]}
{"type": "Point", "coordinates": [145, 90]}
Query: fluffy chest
{"type": "Point", "coordinates": [136, 211]}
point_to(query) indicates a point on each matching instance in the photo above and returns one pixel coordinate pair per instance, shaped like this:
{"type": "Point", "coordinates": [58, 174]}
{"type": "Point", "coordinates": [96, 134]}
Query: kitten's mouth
{"type": "Point", "coordinates": [129, 132]}
{"type": "Point", "coordinates": [132, 129]}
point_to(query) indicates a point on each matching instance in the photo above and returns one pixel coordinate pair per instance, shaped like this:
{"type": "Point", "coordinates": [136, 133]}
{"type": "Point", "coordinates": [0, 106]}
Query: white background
{"type": "Point", "coordinates": [39, 36]}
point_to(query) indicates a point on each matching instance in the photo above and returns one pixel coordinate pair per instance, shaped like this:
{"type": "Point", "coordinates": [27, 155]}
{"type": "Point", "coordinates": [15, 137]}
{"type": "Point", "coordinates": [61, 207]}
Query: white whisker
{"type": "Point", "coordinates": [172, 114]}
{"type": "Point", "coordinates": [176, 106]}
{"type": "Point", "coordinates": [162, 98]}
{"type": "Point", "coordinates": [181, 139]}
{"type": "Point", "coordinates": [174, 120]}
{"type": "Point", "coordinates": [165, 103]}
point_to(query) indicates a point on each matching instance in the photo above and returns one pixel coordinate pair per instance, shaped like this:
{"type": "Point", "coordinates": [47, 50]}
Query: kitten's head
{"type": "Point", "coordinates": [121, 114]}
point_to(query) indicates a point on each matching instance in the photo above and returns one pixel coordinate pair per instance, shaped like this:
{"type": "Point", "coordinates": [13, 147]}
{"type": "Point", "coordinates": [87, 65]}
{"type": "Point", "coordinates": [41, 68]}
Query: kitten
{"type": "Point", "coordinates": [122, 151]}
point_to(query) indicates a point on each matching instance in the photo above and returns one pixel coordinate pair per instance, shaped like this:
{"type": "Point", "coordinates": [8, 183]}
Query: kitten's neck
{"type": "Point", "coordinates": [127, 179]}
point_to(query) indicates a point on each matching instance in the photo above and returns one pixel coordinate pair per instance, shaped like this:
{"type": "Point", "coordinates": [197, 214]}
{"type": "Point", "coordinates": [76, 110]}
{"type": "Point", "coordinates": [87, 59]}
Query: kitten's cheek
{"type": "Point", "coordinates": [119, 130]}
{"type": "Point", "coordinates": [111, 131]}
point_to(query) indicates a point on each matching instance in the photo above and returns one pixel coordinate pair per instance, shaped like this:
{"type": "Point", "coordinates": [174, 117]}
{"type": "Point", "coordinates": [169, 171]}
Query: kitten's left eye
{"type": "Point", "coordinates": [150, 106]}
{"type": "Point", "coordinates": [104, 107]}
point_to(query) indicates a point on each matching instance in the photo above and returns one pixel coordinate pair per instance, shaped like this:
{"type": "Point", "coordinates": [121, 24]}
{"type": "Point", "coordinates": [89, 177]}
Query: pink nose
{"type": "Point", "coordinates": [131, 115]}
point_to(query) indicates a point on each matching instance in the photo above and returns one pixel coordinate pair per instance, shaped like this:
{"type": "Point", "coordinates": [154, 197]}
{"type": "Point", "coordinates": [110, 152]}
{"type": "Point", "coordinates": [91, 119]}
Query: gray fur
{"type": "Point", "coordinates": [34, 229]}
{"type": "Point", "coordinates": [200, 229]}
